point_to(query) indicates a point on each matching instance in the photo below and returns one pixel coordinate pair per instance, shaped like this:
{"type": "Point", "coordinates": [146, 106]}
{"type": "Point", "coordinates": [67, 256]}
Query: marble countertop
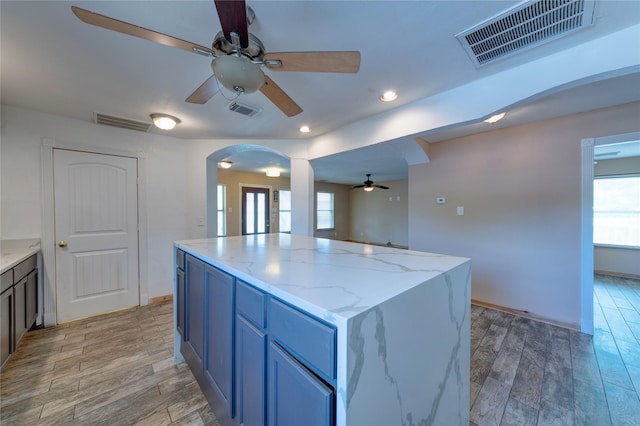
{"type": "Point", "coordinates": [13, 252]}
{"type": "Point", "coordinates": [334, 280]}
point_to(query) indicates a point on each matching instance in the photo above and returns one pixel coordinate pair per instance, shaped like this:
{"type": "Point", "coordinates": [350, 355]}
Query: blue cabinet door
{"type": "Point", "coordinates": [180, 302]}
{"type": "Point", "coordinates": [195, 312]}
{"type": "Point", "coordinates": [218, 366]}
{"type": "Point", "coordinates": [251, 364]}
{"type": "Point", "coordinates": [296, 396]}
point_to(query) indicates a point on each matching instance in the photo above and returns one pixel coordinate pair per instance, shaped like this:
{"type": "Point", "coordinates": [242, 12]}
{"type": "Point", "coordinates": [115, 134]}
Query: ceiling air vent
{"type": "Point", "coordinates": [527, 25]}
{"type": "Point", "coordinates": [244, 109]}
{"type": "Point", "coordinates": [123, 123]}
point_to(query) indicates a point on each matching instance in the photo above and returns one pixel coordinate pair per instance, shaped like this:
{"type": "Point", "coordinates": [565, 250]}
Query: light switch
{"type": "Point", "coordinates": [460, 211]}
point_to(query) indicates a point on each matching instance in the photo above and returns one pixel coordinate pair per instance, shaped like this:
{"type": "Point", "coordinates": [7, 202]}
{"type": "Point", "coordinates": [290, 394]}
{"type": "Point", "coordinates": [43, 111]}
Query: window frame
{"type": "Point", "coordinates": [221, 208]}
{"type": "Point", "coordinates": [281, 210]}
{"type": "Point", "coordinates": [595, 213]}
{"type": "Point", "coordinates": [332, 211]}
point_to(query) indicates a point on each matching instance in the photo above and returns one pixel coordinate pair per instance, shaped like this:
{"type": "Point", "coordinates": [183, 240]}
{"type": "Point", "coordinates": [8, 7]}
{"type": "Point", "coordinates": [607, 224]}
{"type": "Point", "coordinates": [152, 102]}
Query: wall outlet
{"type": "Point", "coordinates": [441, 200]}
{"type": "Point", "coordinates": [460, 211]}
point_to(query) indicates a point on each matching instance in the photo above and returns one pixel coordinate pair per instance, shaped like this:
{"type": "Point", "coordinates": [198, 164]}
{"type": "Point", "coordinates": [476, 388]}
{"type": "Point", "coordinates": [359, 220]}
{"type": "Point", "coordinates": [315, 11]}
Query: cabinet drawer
{"type": "Point", "coordinates": [311, 341]}
{"type": "Point", "coordinates": [23, 268]}
{"type": "Point", "coordinates": [180, 259]}
{"type": "Point", "coordinates": [7, 280]}
{"type": "Point", "coordinates": [250, 303]}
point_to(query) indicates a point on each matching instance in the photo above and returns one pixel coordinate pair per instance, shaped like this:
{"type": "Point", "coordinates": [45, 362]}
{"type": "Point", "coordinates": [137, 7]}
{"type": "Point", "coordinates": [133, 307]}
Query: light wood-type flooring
{"type": "Point", "coordinates": [118, 369]}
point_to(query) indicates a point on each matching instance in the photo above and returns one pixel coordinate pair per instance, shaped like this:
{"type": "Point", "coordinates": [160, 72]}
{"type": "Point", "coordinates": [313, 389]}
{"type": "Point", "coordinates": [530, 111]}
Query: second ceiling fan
{"type": "Point", "coordinates": [238, 56]}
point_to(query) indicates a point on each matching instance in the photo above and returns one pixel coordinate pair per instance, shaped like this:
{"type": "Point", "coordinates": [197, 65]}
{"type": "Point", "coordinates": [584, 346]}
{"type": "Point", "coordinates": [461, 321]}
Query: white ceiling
{"type": "Point", "coordinates": [53, 62]}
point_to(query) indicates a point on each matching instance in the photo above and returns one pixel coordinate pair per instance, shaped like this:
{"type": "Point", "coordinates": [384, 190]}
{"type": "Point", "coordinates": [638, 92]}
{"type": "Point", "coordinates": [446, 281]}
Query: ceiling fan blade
{"type": "Point", "coordinates": [381, 186]}
{"type": "Point", "coordinates": [98, 20]}
{"type": "Point", "coordinates": [233, 18]}
{"type": "Point", "coordinates": [279, 98]}
{"type": "Point", "coordinates": [344, 62]}
{"type": "Point", "coordinates": [205, 92]}
{"type": "Point", "coordinates": [357, 186]}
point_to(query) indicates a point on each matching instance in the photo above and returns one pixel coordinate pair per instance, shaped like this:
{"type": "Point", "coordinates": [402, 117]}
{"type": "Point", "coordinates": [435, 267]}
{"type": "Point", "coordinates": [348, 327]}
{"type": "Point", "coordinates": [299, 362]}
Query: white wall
{"type": "Point", "coordinates": [521, 191]}
{"type": "Point", "coordinates": [21, 187]}
{"type": "Point", "coordinates": [380, 216]}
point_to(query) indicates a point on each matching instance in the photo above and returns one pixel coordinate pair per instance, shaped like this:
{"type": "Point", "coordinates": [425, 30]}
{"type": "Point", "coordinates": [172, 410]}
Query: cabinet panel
{"type": "Point", "coordinates": [219, 304]}
{"type": "Point", "coordinates": [195, 302]}
{"type": "Point", "coordinates": [296, 396]}
{"type": "Point", "coordinates": [251, 373]}
{"type": "Point", "coordinates": [20, 306]}
{"type": "Point", "coordinates": [307, 338]}
{"type": "Point", "coordinates": [251, 303]}
{"type": "Point", "coordinates": [180, 302]}
{"type": "Point", "coordinates": [6, 325]}
{"type": "Point", "coordinates": [6, 281]}
{"type": "Point", "coordinates": [32, 298]}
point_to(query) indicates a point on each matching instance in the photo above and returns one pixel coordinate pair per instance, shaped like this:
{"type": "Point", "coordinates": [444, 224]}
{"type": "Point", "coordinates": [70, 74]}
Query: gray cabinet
{"type": "Point", "coordinates": [19, 305]}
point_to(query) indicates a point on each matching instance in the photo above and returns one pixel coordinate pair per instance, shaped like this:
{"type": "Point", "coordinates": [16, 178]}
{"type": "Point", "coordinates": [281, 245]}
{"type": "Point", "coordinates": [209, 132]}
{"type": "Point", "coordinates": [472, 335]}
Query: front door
{"type": "Point", "coordinates": [96, 232]}
{"type": "Point", "coordinates": [255, 211]}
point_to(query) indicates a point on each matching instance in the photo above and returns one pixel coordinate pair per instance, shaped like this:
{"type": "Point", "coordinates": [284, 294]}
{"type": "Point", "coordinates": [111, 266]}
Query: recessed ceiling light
{"type": "Point", "coordinates": [495, 118]}
{"type": "Point", "coordinates": [225, 164]}
{"type": "Point", "coordinates": [164, 121]}
{"type": "Point", "coordinates": [305, 129]}
{"type": "Point", "coordinates": [389, 96]}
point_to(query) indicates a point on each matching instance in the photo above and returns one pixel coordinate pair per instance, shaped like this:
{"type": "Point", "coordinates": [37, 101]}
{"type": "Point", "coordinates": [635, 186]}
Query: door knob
{"type": "Point", "coordinates": [62, 243]}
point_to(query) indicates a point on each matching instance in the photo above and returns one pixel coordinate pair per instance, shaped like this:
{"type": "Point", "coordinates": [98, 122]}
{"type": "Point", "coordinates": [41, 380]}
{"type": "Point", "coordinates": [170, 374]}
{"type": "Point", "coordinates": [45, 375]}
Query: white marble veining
{"type": "Point", "coordinates": [335, 280]}
{"type": "Point", "coordinates": [402, 319]}
{"type": "Point", "coordinates": [13, 252]}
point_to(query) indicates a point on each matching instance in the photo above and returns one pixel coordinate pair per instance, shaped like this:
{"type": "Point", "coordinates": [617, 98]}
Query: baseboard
{"type": "Point", "coordinates": [526, 314]}
{"type": "Point", "coordinates": [618, 274]}
{"type": "Point", "coordinates": [161, 299]}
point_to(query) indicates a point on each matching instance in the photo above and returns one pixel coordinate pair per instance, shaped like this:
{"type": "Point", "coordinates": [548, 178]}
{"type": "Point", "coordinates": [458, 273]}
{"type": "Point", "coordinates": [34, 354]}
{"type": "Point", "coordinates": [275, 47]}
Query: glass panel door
{"type": "Point", "coordinates": [255, 211]}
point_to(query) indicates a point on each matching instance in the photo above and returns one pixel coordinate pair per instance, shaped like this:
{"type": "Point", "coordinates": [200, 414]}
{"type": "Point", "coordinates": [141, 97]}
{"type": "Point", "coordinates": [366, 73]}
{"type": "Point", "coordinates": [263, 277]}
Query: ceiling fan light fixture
{"type": "Point", "coordinates": [225, 164]}
{"type": "Point", "coordinates": [368, 188]}
{"type": "Point", "coordinates": [238, 74]}
{"type": "Point", "coordinates": [389, 96]}
{"type": "Point", "coordinates": [495, 118]}
{"type": "Point", "coordinates": [305, 129]}
{"type": "Point", "coordinates": [164, 121]}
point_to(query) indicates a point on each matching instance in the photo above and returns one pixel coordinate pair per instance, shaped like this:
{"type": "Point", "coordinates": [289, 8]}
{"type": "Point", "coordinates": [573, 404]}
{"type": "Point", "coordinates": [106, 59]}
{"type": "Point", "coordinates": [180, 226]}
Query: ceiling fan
{"type": "Point", "coordinates": [368, 184]}
{"type": "Point", "coordinates": [238, 56]}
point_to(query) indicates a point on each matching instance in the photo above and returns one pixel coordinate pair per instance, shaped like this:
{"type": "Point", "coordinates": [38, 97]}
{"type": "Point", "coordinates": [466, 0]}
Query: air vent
{"type": "Point", "coordinates": [527, 25]}
{"type": "Point", "coordinates": [123, 123]}
{"type": "Point", "coordinates": [244, 109]}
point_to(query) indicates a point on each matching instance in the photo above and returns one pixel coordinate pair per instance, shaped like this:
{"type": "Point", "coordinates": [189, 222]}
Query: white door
{"type": "Point", "coordinates": [96, 231]}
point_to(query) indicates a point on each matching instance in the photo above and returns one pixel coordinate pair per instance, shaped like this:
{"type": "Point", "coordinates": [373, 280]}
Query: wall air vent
{"type": "Point", "coordinates": [123, 123]}
{"type": "Point", "coordinates": [244, 109]}
{"type": "Point", "coordinates": [527, 25]}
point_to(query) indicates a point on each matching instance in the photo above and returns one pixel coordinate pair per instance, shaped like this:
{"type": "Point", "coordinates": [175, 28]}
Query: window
{"type": "Point", "coordinates": [284, 198]}
{"type": "Point", "coordinates": [616, 211]}
{"type": "Point", "coordinates": [324, 210]}
{"type": "Point", "coordinates": [222, 210]}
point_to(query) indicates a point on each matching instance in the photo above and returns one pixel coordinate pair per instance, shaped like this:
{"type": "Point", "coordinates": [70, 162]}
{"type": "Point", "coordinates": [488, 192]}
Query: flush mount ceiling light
{"type": "Point", "coordinates": [164, 121]}
{"type": "Point", "coordinates": [389, 96]}
{"type": "Point", "coordinates": [273, 172]}
{"type": "Point", "coordinates": [225, 164]}
{"type": "Point", "coordinates": [495, 118]}
{"type": "Point", "coordinates": [305, 129]}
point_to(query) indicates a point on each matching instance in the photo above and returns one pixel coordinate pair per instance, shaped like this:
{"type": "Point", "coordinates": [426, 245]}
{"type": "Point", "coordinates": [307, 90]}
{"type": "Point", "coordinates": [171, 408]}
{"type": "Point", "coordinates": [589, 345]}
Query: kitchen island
{"type": "Point", "coordinates": [283, 329]}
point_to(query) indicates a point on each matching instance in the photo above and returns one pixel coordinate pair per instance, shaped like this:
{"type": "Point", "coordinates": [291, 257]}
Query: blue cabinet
{"type": "Point", "coordinates": [296, 395]}
{"type": "Point", "coordinates": [194, 340]}
{"type": "Point", "coordinates": [258, 360]}
{"type": "Point", "coordinates": [218, 365]}
{"type": "Point", "coordinates": [251, 373]}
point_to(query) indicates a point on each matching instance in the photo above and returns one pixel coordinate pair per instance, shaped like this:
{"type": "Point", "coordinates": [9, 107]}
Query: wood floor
{"type": "Point", "coordinates": [118, 369]}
